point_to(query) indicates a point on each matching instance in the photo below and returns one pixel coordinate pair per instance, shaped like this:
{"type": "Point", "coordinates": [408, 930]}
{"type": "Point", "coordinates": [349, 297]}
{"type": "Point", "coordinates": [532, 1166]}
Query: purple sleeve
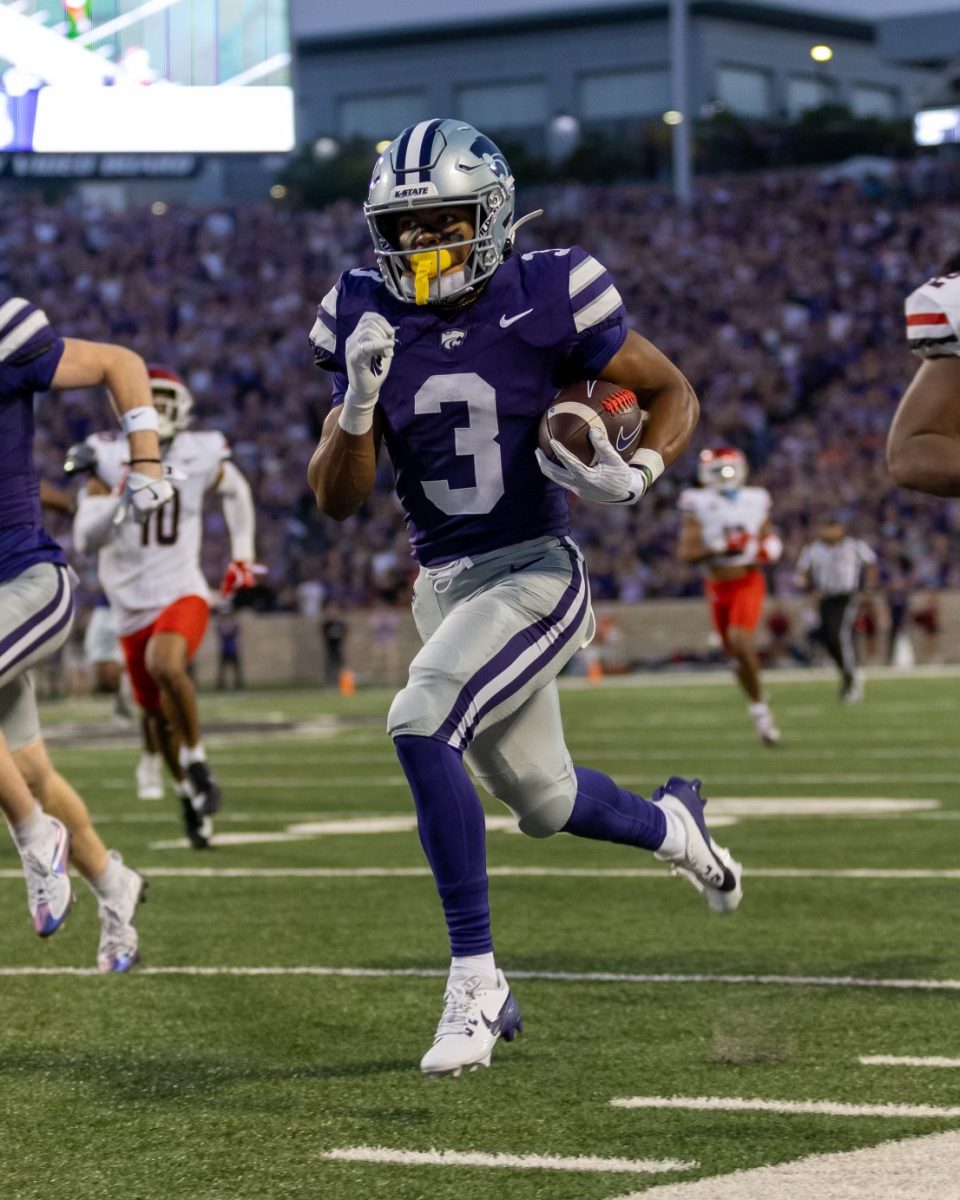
{"type": "Point", "coordinates": [591, 353]}
{"type": "Point", "coordinates": [30, 348]}
{"type": "Point", "coordinates": [339, 387]}
{"type": "Point", "coordinates": [323, 335]}
{"type": "Point", "coordinates": [597, 315]}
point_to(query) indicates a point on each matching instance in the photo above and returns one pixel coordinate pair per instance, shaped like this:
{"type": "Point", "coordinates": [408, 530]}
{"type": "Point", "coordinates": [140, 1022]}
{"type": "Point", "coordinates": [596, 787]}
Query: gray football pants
{"type": "Point", "coordinates": [36, 613]}
{"type": "Point", "coordinates": [497, 630]}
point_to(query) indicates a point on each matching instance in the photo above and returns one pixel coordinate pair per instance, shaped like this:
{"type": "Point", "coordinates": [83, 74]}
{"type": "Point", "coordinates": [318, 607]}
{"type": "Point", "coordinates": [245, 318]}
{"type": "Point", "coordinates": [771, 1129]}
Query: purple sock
{"type": "Point", "coordinates": [609, 813]}
{"type": "Point", "coordinates": [454, 837]}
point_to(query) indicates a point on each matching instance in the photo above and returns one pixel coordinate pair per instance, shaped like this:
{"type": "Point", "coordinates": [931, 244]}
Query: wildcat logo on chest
{"type": "Point", "coordinates": [452, 339]}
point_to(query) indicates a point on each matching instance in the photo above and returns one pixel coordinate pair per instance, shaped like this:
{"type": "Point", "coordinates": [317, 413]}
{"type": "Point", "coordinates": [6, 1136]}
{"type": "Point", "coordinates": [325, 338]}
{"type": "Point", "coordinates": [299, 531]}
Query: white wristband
{"type": "Point", "coordinates": [356, 422]}
{"type": "Point", "coordinates": [649, 461]}
{"type": "Point", "coordinates": [139, 420]}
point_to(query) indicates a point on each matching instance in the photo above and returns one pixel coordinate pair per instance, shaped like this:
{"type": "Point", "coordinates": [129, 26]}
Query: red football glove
{"type": "Point", "coordinates": [238, 575]}
{"type": "Point", "coordinates": [737, 541]}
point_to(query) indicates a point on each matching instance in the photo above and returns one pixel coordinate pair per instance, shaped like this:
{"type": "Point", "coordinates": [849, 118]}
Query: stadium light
{"type": "Point", "coordinates": [821, 53]}
{"type": "Point", "coordinates": [158, 208]}
{"type": "Point", "coordinates": [325, 148]}
{"type": "Point", "coordinates": [382, 145]}
{"type": "Point", "coordinates": [563, 136]}
{"type": "Point", "coordinates": [672, 117]}
{"type": "Point", "coordinates": [278, 192]}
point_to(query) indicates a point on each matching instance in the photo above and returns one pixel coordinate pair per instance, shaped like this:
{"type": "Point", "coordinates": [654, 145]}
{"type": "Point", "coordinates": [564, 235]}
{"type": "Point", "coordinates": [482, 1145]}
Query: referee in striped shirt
{"type": "Point", "coordinates": [835, 566]}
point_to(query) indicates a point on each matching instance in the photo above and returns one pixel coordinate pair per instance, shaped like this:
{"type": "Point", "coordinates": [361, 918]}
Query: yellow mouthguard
{"type": "Point", "coordinates": [425, 268]}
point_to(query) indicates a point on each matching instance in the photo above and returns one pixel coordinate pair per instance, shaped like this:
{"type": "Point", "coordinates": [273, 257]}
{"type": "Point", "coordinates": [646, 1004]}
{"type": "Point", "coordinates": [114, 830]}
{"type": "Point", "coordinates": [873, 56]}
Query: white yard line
{"type": "Point", "coordinates": [905, 874]}
{"type": "Point", "coordinates": [514, 1162]}
{"type": "Point", "coordinates": [926, 985]}
{"type": "Point", "coordinates": [923, 1168]}
{"type": "Point", "coordinates": [893, 1060]}
{"type": "Point", "coordinates": [825, 1108]}
{"type": "Point", "coordinates": [784, 777]}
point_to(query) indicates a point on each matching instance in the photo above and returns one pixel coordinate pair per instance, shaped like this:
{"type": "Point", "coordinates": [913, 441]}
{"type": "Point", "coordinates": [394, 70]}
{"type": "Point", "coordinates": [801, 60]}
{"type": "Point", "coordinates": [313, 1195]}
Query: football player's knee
{"type": "Point", "coordinates": [542, 806]}
{"type": "Point", "coordinates": [412, 713]}
{"type": "Point", "coordinates": [548, 818]}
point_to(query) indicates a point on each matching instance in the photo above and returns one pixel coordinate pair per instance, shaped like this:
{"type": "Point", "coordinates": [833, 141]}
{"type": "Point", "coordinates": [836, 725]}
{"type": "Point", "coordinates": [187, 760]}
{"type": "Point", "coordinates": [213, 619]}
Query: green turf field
{"type": "Point", "coordinates": [179, 1084]}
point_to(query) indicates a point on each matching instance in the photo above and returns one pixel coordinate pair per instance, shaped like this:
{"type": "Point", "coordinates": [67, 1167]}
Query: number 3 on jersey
{"type": "Point", "coordinates": [477, 440]}
{"type": "Point", "coordinates": [162, 526]}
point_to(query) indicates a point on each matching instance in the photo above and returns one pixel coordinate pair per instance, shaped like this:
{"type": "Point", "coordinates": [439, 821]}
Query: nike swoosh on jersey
{"type": "Point", "coordinates": [623, 444]}
{"type": "Point", "coordinates": [523, 566]}
{"type": "Point", "coordinates": [506, 322]}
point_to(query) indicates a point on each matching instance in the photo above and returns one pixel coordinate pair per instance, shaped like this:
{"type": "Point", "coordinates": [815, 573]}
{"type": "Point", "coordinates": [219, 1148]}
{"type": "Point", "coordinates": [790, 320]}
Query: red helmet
{"type": "Point", "coordinates": [172, 400]}
{"type": "Point", "coordinates": [723, 468]}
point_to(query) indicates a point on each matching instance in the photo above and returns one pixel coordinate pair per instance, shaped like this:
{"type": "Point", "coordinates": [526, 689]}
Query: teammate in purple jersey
{"type": "Point", "coordinates": [450, 353]}
{"type": "Point", "coordinates": [48, 820]}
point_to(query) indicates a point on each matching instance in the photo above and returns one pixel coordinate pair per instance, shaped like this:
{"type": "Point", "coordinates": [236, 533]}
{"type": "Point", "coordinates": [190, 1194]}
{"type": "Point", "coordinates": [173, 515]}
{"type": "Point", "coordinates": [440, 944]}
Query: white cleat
{"type": "Point", "coordinates": [474, 1017]}
{"type": "Point", "coordinates": [45, 868]}
{"type": "Point", "coordinates": [149, 775]}
{"type": "Point", "coordinates": [119, 948]}
{"type": "Point", "coordinates": [711, 868]}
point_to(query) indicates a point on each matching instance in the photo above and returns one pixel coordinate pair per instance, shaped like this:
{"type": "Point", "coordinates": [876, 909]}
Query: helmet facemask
{"type": "Point", "coordinates": [441, 164]}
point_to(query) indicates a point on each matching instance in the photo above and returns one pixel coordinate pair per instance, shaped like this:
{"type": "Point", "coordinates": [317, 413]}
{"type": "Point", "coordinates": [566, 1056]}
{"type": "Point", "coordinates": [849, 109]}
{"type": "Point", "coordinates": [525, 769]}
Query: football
{"type": "Point", "coordinates": [593, 402]}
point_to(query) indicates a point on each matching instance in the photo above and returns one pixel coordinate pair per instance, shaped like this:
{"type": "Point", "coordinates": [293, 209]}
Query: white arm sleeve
{"type": "Point", "coordinates": [93, 525]}
{"type": "Point", "coordinates": [238, 511]}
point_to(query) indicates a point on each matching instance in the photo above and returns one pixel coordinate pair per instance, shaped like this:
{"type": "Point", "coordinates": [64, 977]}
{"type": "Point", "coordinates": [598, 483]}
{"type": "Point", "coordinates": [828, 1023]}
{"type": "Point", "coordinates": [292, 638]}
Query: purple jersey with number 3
{"type": "Point", "coordinates": [29, 353]}
{"type": "Point", "coordinates": [465, 392]}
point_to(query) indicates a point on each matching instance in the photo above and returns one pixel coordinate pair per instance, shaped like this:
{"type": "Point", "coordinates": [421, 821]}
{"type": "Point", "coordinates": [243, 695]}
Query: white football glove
{"type": "Point", "coordinates": [143, 495]}
{"type": "Point", "coordinates": [611, 481]}
{"type": "Point", "coordinates": [369, 350]}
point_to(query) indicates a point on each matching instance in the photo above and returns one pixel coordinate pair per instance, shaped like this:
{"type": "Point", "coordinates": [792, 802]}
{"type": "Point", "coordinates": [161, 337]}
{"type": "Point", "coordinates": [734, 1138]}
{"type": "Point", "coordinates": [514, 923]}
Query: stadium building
{"type": "Point", "coordinates": [522, 64]}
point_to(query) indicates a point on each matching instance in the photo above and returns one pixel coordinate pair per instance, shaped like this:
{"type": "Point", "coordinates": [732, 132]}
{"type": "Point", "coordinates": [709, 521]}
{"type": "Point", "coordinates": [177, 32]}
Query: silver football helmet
{"type": "Point", "coordinates": [432, 165]}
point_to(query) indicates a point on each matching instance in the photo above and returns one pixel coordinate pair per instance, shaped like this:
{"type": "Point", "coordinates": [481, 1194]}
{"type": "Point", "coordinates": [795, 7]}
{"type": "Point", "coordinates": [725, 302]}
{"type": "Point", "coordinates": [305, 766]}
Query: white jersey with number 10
{"type": "Point", "coordinates": [145, 568]}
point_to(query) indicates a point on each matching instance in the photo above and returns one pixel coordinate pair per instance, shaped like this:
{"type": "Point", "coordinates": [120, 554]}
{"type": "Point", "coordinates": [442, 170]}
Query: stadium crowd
{"type": "Point", "coordinates": [780, 296]}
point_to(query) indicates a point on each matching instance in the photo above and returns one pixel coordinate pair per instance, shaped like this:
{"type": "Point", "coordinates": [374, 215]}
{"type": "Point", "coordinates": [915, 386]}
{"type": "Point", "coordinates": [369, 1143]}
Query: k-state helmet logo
{"type": "Point", "coordinates": [452, 339]}
{"type": "Point", "coordinates": [413, 191]}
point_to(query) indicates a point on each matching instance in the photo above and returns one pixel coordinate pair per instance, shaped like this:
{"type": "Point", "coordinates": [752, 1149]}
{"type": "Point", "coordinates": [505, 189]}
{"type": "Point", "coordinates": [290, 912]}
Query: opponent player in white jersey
{"type": "Point", "coordinates": [726, 526]}
{"type": "Point", "coordinates": [152, 577]}
{"type": "Point", "coordinates": [923, 447]}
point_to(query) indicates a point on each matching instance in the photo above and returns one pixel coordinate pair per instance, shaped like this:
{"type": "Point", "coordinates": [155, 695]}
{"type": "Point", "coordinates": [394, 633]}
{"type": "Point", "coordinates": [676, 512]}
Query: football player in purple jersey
{"type": "Point", "coordinates": [48, 820]}
{"type": "Point", "coordinates": [450, 353]}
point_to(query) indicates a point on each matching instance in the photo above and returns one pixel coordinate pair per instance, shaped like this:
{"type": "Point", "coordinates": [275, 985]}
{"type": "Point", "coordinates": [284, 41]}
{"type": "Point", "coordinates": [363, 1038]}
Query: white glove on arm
{"type": "Point", "coordinates": [143, 495]}
{"type": "Point", "coordinates": [369, 350]}
{"type": "Point", "coordinates": [610, 481]}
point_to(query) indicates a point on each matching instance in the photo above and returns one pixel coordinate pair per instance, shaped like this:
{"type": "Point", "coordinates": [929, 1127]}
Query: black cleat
{"type": "Point", "coordinates": [205, 787]}
{"type": "Point", "coordinates": [196, 824]}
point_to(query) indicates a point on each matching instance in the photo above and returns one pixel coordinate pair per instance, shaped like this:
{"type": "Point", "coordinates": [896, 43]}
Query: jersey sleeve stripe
{"type": "Point", "coordinates": [329, 302]}
{"type": "Point", "coordinates": [934, 318]}
{"type": "Point", "coordinates": [22, 334]}
{"type": "Point", "coordinates": [583, 274]}
{"type": "Point", "coordinates": [9, 310]}
{"type": "Point", "coordinates": [321, 337]}
{"type": "Point", "coordinates": [920, 342]}
{"type": "Point", "coordinates": [605, 305]}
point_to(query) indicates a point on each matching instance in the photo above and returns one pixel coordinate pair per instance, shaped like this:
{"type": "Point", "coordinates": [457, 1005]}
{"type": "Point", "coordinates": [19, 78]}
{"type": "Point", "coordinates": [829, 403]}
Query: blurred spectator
{"type": "Point", "coordinates": [899, 588]}
{"type": "Point", "coordinates": [334, 630]}
{"type": "Point", "coordinates": [228, 651]}
{"type": "Point", "coordinates": [782, 648]}
{"type": "Point", "coordinates": [926, 617]}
